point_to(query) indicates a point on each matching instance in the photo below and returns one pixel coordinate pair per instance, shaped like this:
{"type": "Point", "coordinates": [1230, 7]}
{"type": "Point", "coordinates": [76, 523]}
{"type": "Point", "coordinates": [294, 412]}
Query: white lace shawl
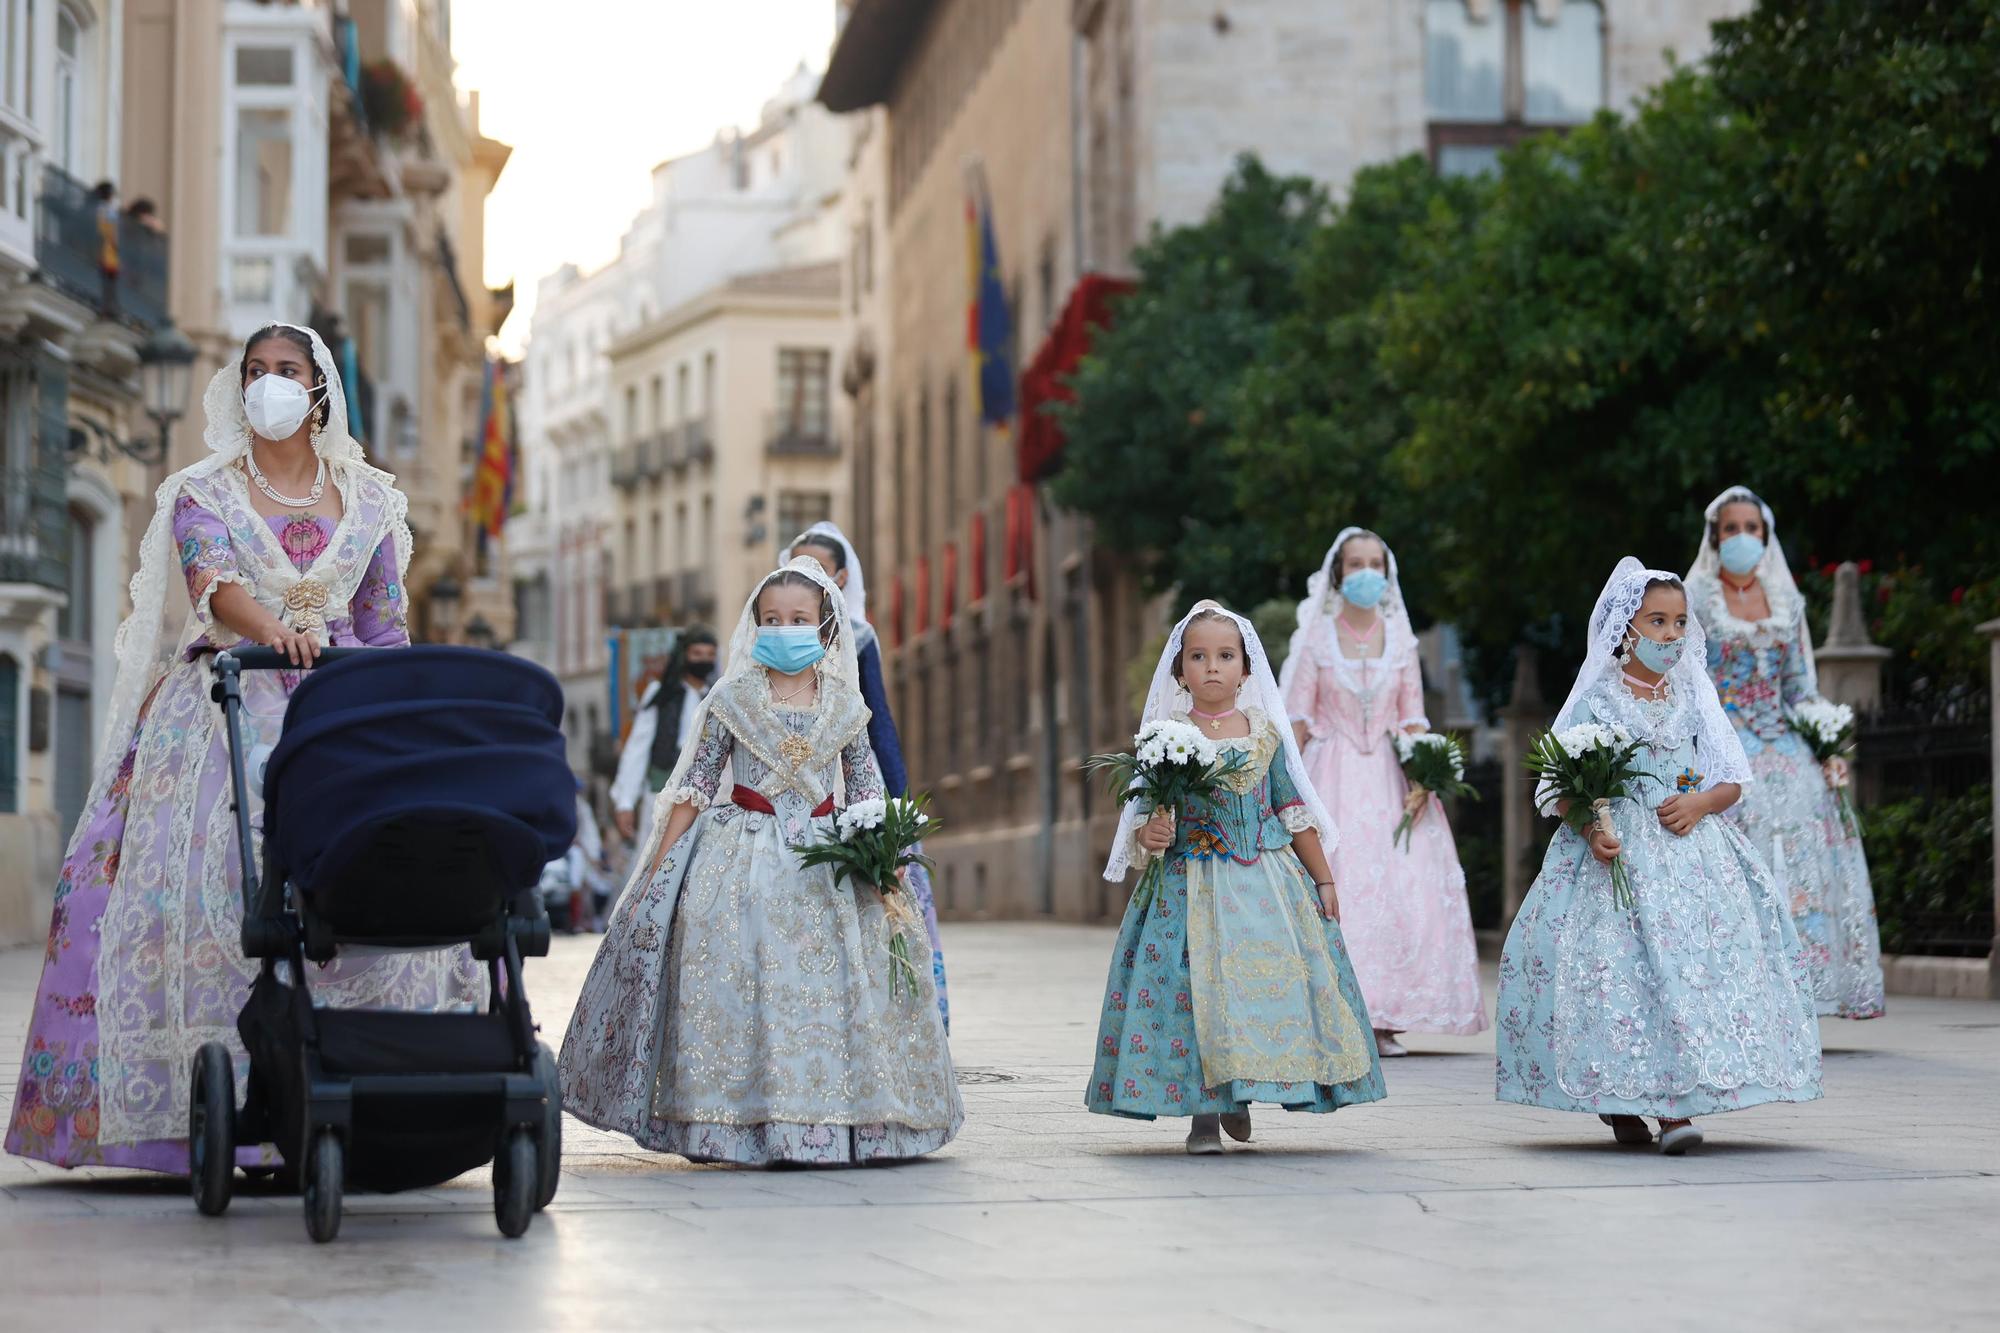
{"type": "Point", "coordinates": [856, 590]}
{"type": "Point", "coordinates": [1167, 699]}
{"type": "Point", "coordinates": [1774, 576]}
{"type": "Point", "coordinates": [838, 669]}
{"type": "Point", "coordinates": [1698, 712]}
{"type": "Point", "coordinates": [1317, 635]}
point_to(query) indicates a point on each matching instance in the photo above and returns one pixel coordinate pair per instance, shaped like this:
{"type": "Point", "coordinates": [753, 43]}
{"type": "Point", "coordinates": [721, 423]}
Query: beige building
{"type": "Point", "coordinates": [726, 448]}
{"type": "Point", "coordinates": [1091, 121]}
{"type": "Point", "coordinates": [248, 126]}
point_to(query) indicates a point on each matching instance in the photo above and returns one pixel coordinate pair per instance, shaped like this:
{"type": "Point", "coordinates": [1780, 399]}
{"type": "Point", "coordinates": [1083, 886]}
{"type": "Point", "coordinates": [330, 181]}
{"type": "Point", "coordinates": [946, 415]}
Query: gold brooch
{"type": "Point", "coordinates": [307, 600]}
{"type": "Point", "coordinates": [797, 750]}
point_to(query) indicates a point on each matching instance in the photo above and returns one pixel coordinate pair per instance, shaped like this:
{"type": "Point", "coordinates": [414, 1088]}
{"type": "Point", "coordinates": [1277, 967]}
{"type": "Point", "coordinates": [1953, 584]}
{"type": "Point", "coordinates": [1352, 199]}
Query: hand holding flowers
{"type": "Point", "coordinates": [1171, 764]}
{"type": "Point", "coordinates": [1434, 764]}
{"type": "Point", "coordinates": [1828, 730]}
{"type": "Point", "coordinates": [871, 842]}
{"type": "Point", "coordinates": [1581, 770]}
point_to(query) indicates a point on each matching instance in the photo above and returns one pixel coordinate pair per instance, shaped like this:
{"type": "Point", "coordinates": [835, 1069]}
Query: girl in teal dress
{"type": "Point", "coordinates": [1697, 998]}
{"type": "Point", "coordinates": [1232, 985]}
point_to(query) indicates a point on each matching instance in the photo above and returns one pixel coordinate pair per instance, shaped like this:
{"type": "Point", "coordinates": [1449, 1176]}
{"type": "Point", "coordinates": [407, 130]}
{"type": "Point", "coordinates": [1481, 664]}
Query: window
{"type": "Point", "coordinates": [708, 384]}
{"type": "Point", "coordinates": [951, 446]}
{"type": "Point", "coordinates": [367, 247]}
{"type": "Point", "coordinates": [656, 392]}
{"type": "Point", "coordinates": [681, 394]}
{"type": "Point", "coordinates": [10, 734]}
{"type": "Point", "coordinates": [264, 67]}
{"type": "Point", "coordinates": [263, 171]}
{"type": "Point", "coordinates": [631, 413]}
{"type": "Point", "coordinates": [69, 43]}
{"type": "Point", "coordinates": [799, 510]}
{"type": "Point", "coordinates": [680, 537]}
{"type": "Point", "coordinates": [804, 384]}
{"type": "Point", "coordinates": [1498, 72]}
{"type": "Point", "coordinates": [368, 315]}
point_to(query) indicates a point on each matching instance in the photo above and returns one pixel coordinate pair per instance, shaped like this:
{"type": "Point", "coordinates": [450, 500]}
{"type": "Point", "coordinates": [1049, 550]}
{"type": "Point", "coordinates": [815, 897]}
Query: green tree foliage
{"type": "Point", "coordinates": [1146, 456]}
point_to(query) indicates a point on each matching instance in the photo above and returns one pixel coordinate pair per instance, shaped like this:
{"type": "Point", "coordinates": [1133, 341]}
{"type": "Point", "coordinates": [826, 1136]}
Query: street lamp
{"type": "Point", "coordinates": [166, 369]}
{"type": "Point", "coordinates": [480, 634]}
{"type": "Point", "coordinates": [444, 605]}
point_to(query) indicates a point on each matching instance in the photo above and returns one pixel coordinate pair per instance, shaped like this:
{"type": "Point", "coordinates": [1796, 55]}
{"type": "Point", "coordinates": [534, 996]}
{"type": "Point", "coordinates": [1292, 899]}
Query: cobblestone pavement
{"type": "Point", "coordinates": [1439, 1208]}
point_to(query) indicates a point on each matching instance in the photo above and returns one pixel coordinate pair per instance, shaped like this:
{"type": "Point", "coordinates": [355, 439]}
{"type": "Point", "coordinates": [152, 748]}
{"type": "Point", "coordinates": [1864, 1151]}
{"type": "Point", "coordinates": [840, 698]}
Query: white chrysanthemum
{"type": "Point", "coordinates": [862, 815]}
{"type": "Point", "coordinates": [1823, 719]}
{"type": "Point", "coordinates": [1584, 737]}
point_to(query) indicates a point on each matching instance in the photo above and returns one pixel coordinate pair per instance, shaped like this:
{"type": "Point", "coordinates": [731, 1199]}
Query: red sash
{"type": "Point", "coordinates": [746, 798]}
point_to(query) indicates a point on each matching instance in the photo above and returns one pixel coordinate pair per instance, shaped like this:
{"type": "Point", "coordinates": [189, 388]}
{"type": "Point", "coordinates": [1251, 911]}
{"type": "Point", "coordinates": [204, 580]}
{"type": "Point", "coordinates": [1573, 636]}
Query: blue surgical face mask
{"type": "Point", "coordinates": [1657, 656]}
{"type": "Point", "coordinates": [1741, 553]}
{"type": "Point", "coordinates": [788, 648]}
{"type": "Point", "coordinates": [1364, 587]}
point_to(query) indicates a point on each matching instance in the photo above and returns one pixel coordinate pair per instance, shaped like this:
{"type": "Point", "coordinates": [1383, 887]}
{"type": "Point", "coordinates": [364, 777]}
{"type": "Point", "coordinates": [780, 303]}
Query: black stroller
{"type": "Point", "coordinates": [412, 802]}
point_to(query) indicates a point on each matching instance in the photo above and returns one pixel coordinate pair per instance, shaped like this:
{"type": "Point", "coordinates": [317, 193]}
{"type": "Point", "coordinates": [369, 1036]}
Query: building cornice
{"type": "Point", "coordinates": [871, 49]}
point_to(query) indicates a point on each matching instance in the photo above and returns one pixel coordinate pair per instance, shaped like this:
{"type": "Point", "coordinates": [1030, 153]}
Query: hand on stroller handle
{"type": "Point", "coordinates": [270, 659]}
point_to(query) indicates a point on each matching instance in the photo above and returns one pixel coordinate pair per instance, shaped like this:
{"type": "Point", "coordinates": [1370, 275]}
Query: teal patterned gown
{"type": "Point", "coordinates": [1695, 1000]}
{"type": "Point", "coordinates": [1229, 987]}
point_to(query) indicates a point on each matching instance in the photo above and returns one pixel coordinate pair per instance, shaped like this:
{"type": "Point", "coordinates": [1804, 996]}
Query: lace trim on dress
{"type": "Point", "coordinates": [683, 796]}
{"type": "Point", "coordinates": [1295, 818]}
{"type": "Point", "coordinates": [1713, 609]}
{"type": "Point", "coordinates": [218, 634]}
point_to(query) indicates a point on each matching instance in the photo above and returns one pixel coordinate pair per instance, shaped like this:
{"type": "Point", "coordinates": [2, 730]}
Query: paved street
{"type": "Point", "coordinates": [1437, 1209]}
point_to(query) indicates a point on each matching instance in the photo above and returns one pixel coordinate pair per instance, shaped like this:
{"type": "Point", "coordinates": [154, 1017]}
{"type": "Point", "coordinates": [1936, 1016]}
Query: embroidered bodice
{"type": "Point", "coordinates": [1360, 698]}
{"type": "Point", "coordinates": [1671, 755]}
{"type": "Point", "coordinates": [787, 755]}
{"type": "Point", "coordinates": [1760, 667]}
{"type": "Point", "coordinates": [376, 617]}
{"type": "Point", "coordinates": [1257, 811]}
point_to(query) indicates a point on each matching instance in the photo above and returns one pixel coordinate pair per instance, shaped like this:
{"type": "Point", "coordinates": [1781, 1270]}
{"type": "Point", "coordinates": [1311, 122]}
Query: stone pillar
{"type": "Point", "coordinates": [1525, 714]}
{"type": "Point", "coordinates": [1850, 664]}
{"type": "Point", "coordinates": [1991, 630]}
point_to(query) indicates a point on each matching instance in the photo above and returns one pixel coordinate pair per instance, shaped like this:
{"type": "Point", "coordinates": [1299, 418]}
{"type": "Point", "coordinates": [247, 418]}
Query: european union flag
{"type": "Point", "coordinates": [989, 324]}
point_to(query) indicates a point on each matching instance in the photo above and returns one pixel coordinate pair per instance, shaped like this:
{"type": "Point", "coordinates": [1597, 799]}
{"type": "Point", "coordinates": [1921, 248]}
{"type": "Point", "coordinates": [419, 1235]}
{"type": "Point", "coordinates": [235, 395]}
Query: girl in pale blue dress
{"type": "Point", "coordinates": [1233, 984]}
{"type": "Point", "coordinates": [1696, 999]}
{"type": "Point", "coordinates": [1761, 658]}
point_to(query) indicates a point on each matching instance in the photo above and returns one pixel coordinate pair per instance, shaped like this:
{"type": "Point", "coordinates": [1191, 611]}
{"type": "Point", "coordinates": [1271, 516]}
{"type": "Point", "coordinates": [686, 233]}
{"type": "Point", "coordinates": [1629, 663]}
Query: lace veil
{"type": "Point", "coordinates": [158, 625]}
{"type": "Point", "coordinates": [838, 666]}
{"type": "Point", "coordinates": [1698, 709]}
{"type": "Point", "coordinates": [856, 590]}
{"type": "Point", "coordinates": [1319, 613]}
{"type": "Point", "coordinates": [1774, 573]}
{"type": "Point", "coordinates": [1167, 700]}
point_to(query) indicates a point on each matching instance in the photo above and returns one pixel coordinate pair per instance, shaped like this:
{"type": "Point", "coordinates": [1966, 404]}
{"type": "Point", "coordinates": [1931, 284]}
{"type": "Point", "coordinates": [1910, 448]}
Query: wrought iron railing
{"type": "Point", "coordinates": [112, 264]}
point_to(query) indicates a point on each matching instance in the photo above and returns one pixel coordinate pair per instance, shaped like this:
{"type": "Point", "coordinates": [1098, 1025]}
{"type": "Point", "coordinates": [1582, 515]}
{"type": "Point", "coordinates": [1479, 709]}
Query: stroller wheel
{"type": "Point", "coordinates": [212, 1128]}
{"type": "Point", "coordinates": [514, 1182]}
{"type": "Point", "coordinates": [548, 1145]}
{"type": "Point", "coordinates": [325, 1174]}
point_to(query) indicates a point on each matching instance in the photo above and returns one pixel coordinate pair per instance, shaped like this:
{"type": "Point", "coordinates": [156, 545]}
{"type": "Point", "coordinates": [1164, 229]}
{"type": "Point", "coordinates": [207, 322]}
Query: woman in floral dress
{"type": "Point", "coordinates": [1761, 657]}
{"type": "Point", "coordinates": [740, 1008]}
{"type": "Point", "coordinates": [289, 540]}
{"type": "Point", "coordinates": [1352, 679]}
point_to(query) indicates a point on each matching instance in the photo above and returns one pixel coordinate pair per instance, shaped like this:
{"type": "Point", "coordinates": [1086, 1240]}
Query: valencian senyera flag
{"type": "Point", "coordinates": [492, 493]}
{"type": "Point", "coordinates": [989, 325]}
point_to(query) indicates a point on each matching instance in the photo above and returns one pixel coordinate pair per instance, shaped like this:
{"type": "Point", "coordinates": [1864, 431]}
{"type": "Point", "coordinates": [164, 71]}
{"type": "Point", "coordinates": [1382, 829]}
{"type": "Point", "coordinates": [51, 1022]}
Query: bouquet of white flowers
{"type": "Point", "coordinates": [1433, 762]}
{"type": "Point", "coordinates": [872, 842]}
{"type": "Point", "coordinates": [1828, 730]}
{"type": "Point", "coordinates": [1589, 766]}
{"type": "Point", "coordinates": [1171, 764]}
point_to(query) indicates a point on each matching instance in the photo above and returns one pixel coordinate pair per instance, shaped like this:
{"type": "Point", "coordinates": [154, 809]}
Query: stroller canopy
{"type": "Point", "coordinates": [409, 733]}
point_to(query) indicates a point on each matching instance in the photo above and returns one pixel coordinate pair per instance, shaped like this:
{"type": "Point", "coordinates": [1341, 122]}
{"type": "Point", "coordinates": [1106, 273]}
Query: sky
{"type": "Point", "coordinates": [593, 94]}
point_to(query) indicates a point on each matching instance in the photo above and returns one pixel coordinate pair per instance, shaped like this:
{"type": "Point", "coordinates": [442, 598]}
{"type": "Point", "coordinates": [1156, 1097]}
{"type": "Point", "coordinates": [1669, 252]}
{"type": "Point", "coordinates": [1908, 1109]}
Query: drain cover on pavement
{"type": "Point", "coordinates": [968, 1076]}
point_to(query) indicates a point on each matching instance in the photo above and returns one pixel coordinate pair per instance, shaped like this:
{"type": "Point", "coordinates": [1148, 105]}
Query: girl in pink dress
{"type": "Point", "coordinates": [1351, 679]}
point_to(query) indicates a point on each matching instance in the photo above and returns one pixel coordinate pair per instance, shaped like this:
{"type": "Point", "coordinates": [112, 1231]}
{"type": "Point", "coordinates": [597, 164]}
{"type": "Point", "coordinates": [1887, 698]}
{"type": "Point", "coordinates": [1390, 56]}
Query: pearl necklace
{"type": "Point", "coordinates": [263, 484]}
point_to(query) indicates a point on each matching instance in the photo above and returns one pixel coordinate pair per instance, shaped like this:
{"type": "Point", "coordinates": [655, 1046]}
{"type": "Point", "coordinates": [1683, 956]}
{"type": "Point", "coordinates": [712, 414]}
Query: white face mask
{"type": "Point", "coordinates": [277, 406]}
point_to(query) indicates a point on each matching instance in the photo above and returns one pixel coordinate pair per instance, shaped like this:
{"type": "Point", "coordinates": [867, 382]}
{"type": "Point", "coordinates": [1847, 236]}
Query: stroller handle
{"type": "Point", "coordinates": [270, 659]}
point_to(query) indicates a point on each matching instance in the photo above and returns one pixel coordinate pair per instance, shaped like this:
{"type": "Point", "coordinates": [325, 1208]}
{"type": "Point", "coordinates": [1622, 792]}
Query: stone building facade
{"type": "Point", "coordinates": [1090, 122]}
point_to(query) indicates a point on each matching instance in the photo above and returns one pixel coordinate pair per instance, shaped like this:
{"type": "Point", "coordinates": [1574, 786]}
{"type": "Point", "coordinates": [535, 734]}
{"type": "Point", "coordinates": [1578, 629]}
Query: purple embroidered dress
{"type": "Point", "coordinates": [156, 852]}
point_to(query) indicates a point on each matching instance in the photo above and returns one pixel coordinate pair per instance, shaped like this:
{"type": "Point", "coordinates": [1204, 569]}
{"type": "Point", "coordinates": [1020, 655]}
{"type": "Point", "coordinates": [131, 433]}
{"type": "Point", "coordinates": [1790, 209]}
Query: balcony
{"type": "Point", "coordinates": [787, 434]}
{"type": "Point", "coordinates": [651, 457]}
{"type": "Point", "coordinates": [673, 446]}
{"type": "Point", "coordinates": [695, 598]}
{"type": "Point", "coordinates": [700, 436]}
{"type": "Point", "coordinates": [664, 604]}
{"type": "Point", "coordinates": [34, 519]}
{"type": "Point", "coordinates": [625, 467]}
{"type": "Point", "coordinates": [70, 254]}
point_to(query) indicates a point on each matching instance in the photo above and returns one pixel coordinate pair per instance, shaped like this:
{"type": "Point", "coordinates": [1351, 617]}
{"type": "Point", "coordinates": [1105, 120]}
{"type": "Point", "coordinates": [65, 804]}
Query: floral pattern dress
{"type": "Point", "coordinates": [740, 1008]}
{"type": "Point", "coordinates": [1791, 814]}
{"type": "Point", "coordinates": [139, 829]}
{"type": "Point", "coordinates": [1229, 988]}
{"type": "Point", "coordinates": [1694, 1000]}
{"type": "Point", "coordinates": [1403, 909]}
